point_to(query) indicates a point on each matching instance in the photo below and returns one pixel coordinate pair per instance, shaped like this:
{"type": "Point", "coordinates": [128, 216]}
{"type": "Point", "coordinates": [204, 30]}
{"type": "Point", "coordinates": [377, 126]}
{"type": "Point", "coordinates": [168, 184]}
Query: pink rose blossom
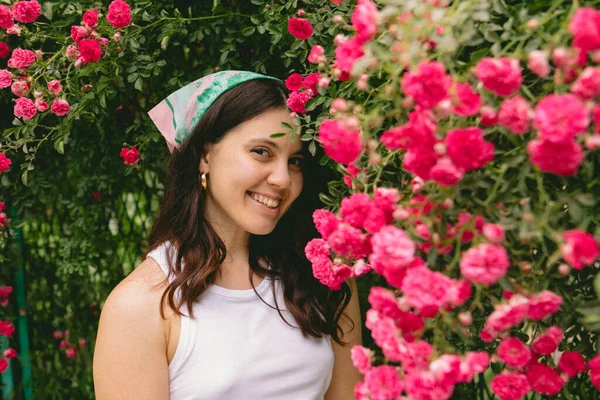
{"type": "Point", "coordinates": [340, 144]}
{"type": "Point", "coordinates": [514, 115]}
{"type": "Point", "coordinates": [19, 88]}
{"type": "Point", "coordinates": [510, 386]}
{"type": "Point", "coordinates": [60, 107]}
{"type": "Point", "coordinates": [10, 353]}
{"type": "Point", "coordinates": [347, 53]}
{"type": "Point", "coordinates": [130, 156]}
{"type": "Point", "coordinates": [325, 222]}
{"type": "Point", "coordinates": [300, 28]}
{"type": "Point", "coordinates": [391, 249]}
{"type": "Point", "coordinates": [6, 18]}
{"type": "Point", "coordinates": [90, 17]}
{"type": "Point", "coordinates": [26, 11]}
{"type": "Point", "coordinates": [3, 365]}
{"type": "Point", "coordinates": [506, 315]}
{"type": "Point", "coordinates": [465, 101]}
{"type": "Point", "coordinates": [5, 163]}
{"type": "Point", "coordinates": [361, 358]}
{"type": "Point", "coordinates": [4, 50]}
{"type": "Point", "coordinates": [294, 81]}
{"type": "Point", "coordinates": [587, 85]}
{"type": "Point", "coordinates": [78, 33]}
{"type": "Point", "coordinates": [72, 352]}
{"type": "Point", "coordinates": [311, 82]}
{"type": "Point", "coordinates": [473, 363]}
{"type": "Point", "coordinates": [560, 118]}
{"type": "Point", "coordinates": [119, 14]}
{"type": "Point", "coordinates": [6, 328]}
{"type": "Point", "coordinates": [71, 52]}
{"type": "Point", "coordinates": [347, 241]}
{"type": "Point", "coordinates": [501, 76]}
{"type": "Point", "coordinates": [544, 155]}
{"type": "Point", "coordinates": [21, 58]}
{"type": "Point", "coordinates": [14, 30]}
{"type": "Point", "coordinates": [297, 101]}
{"type": "Point", "coordinates": [5, 78]}
{"type": "Point", "coordinates": [55, 87]}
{"type": "Point", "coordinates": [572, 363]}
{"type": "Point", "coordinates": [383, 382]}
{"type": "Point", "coordinates": [355, 208]}
{"type": "Point", "coordinates": [445, 173]}
{"type": "Point", "coordinates": [544, 380]}
{"type": "Point", "coordinates": [428, 84]}
{"type": "Point", "coordinates": [417, 133]}
{"type": "Point", "coordinates": [514, 353]}
{"type": "Point", "coordinates": [317, 249]}
{"type": "Point", "coordinates": [41, 105]}
{"type": "Point", "coordinates": [316, 54]}
{"type": "Point", "coordinates": [494, 233]}
{"type": "Point", "coordinates": [364, 20]}
{"type": "Point", "coordinates": [585, 27]}
{"type": "Point", "coordinates": [25, 108]}
{"type": "Point", "coordinates": [484, 264]}
{"type": "Point", "coordinates": [89, 50]}
{"type": "Point", "coordinates": [579, 248]}
{"type": "Point", "coordinates": [543, 304]}
{"type": "Point", "coordinates": [420, 162]}
{"type": "Point", "coordinates": [548, 342]}
{"type": "Point", "coordinates": [489, 116]}
{"type": "Point", "coordinates": [426, 291]}
{"type": "Point", "coordinates": [423, 385]}
{"type": "Point", "coordinates": [467, 148]}
{"type": "Point", "coordinates": [537, 61]}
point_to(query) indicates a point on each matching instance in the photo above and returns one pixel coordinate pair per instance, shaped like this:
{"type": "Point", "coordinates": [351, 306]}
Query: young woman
{"type": "Point", "coordinates": [225, 305]}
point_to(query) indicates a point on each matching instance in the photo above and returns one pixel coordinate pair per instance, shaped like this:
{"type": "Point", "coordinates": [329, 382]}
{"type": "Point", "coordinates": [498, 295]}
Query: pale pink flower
{"type": "Point", "coordinates": [41, 105]}
{"type": "Point", "coordinates": [19, 88]}
{"type": "Point", "coordinates": [537, 61]}
{"type": "Point", "coordinates": [473, 363]}
{"type": "Point", "coordinates": [494, 233]}
{"type": "Point", "coordinates": [501, 76]}
{"type": "Point", "coordinates": [560, 118]}
{"type": "Point", "coordinates": [484, 264]}
{"type": "Point", "coordinates": [514, 115]}
{"type": "Point", "coordinates": [71, 52]}
{"type": "Point", "coordinates": [55, 87]}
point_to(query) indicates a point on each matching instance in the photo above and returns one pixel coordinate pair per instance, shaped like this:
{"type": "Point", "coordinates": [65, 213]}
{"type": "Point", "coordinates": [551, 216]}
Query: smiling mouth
{"type": "Point", "coordinates": [265, 201]}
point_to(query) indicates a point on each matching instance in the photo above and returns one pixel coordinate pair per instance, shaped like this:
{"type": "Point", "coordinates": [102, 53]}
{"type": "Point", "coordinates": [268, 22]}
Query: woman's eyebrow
{"type": "Point", "coordinates": [271, 143]}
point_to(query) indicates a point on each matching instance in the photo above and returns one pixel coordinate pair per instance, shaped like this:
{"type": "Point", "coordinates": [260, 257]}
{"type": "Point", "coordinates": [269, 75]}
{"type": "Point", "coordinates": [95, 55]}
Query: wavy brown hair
{"type": "Point", "coordinates": [180, 220]}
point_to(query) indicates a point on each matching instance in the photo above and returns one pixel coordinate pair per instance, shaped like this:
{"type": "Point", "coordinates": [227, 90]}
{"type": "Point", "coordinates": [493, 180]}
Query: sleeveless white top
{"type": "Point", "coordinates": [237, 347]}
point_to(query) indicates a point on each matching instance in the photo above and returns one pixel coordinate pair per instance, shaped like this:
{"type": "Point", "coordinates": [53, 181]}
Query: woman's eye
{"type": "Point", "coordinates": [297, 162]}
{"type": "Point", "coordinates": [260, 151]}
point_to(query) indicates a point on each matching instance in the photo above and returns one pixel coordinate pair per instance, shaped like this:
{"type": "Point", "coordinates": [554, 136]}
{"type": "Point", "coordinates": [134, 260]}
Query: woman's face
{"type": "Point", "coordinates": [253, 179]}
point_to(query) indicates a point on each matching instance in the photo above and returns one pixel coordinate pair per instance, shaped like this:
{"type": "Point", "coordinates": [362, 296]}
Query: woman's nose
{"type": "Point", "coordinates": [280, 175]}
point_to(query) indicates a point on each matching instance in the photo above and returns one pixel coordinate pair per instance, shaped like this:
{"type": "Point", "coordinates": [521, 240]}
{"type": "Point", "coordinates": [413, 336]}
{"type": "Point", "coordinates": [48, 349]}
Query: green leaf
{"type": "Point", "coordinates": [258, 2]}
{"type": "Point", "coordinates": [223, 58]}
{"type": "Point", "coordinates": [277, 135]}
{"type": "Point", "coordinates": [248, 31]}
{"type": "Point", "coordinates": [59, 146]}
{"type": "Point", "coordinates": [47, 10]}
{"type": "Point", "coordinates": [164, 42]}
{"type": "Point", "coordinates": [597, 285]}
{"type": "Point", "coordinates": [312, 148]}
{"type": "Point", "coordinates": [24, 177]}
{"type": "Point", "coordinates": [138, 84]}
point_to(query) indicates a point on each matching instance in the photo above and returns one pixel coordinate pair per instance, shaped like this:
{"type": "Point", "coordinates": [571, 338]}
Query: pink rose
{"type": "Point", "coordinates": [297, 101]}
{"type": "Point", "coordinates": [543, 304]}
{"type": "Point", "coordinates": [72, 352]}
{"type": "Point", "coordinates": [489, 116]}
{"type": "Point", "coordinates": [587, 85]}
{"type": "Point", "coordinates": [311, 82]}
{"type": "Point", "coordinates": [6, 328]}
{"type": "Point", "coordinates": [514, 115]}
{"type": "Point", "coordinates": [55, 87]}
{"type": "Point", "coordinates": [5, 162]}
{"type": "Point", "coordinates": [544, 380]}
{"type": "Point", "coordinates": [294, 81]}
{"type": "Point", "coordinates": [426, 290]}
{"type": "Point", "coordinates": [428, 84]}
{"type": "Point", "coordinates": [579, 248]}
{"type": "Point", "coordinates": [548, 342]}
{"type": "Point", "coordinates": [41, 105]}
{"type": "Point", "coordinates": [510, 385]}
{"type": "Point", "coordinates": [71, 52]}
{"type": "Point", "coordinates": [60, 107]}
{"type": "Point", "coordinates": [537, 61]}
{"type": "Point", "coordinates": [300, 28]}
{"type": "Point", "coordinates": [560, 118]}
{"type": "Point", "coordinates": [465, 101]}
{"type": "Point", "coordinates": [10, 353]}
{"type": "Point", "coordinates": [6, 18]}
{"type": "Point", "coordinates": [89, 50]}
{"type": "Point", "coordinates": [585, 27]}
{"type": "Point", "coordinates": [445, 173]}
{"type": "Point", "coordinates": [25, 108]}
{"type": "Point", "coordinates": [420, 162]}
{"type": "Point", "coordinates": [361, 358]}
{"type": "Point", "coordinates": [417, 133]}
{"type": "Point", "coordinates": [340, 144]}
{"type": "Point", "coordinates": [484, 264]}
{"type": "Point", "coordinates": [26, 11]}
{"type": "Point", "coordinates": [3, 365]}
{"type": "Point", "coordinates": [494, 233]}
{"type": "Point", "coordinates": [513, 352]}
{"type": "Point", "coordinates": [364, 20]}
{"type": "Point", "coordinates": [21, 58]}
{"type": "Point", "coordinates": [4, 50]}
{"type": "Point", "coordinates": [130, 156]}
{"type": "Point", "coordinates": [20, 88]}
{"type": "Point", "coordinates": [572, 363]}
{"type": "Point", "coordinates": [316, 54]}
{"type": "Point", "coordinates": [544, 155]}
{"type": "Point", "coordinates": [392, 248]}
{"type": "Point", "coordinates": [501, 76]}
{"type": "Point", "coordinates": [467, 148]}
{"type": "Point", "coordinates": [5, 78]}
{"type": "Point", "coordinates": [78, 33]}
{"type": "Point", "coordinates": [347, 53]}
{"type": "Point", "coordinates": [90, 17]}
{"type": "Point", "coordinates": [119, 14]}
{"type": "Point", "coordinates": [383, 382]}
{"type": "Point", "coordinates": [325, 222]}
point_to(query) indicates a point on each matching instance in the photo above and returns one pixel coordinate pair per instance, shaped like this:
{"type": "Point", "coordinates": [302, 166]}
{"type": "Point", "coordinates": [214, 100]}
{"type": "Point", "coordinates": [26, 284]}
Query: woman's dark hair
{"type": "Point", "coordinates": [180, 220]}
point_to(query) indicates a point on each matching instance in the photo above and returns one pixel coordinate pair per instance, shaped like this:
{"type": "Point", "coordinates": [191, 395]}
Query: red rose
{"type": "Point", "coordinates": [300, 28]}
{"type": "Point", "coordinates": [5, 162]}
{"type": "Point", "coordinates": [130, 156]}
{"type": "Point", "coordinates": [90, 17]}
{"type": "Point", "coordinates": [89, 51]}
{"type": "Point", "coordinates": [4, 50]}
{"type": "Point", "coordinates": [311, 81]}
{"type": "Point", "coordinates": [6, 328]}
{"type": "Point", "coordinates": [119, 14]}
{"type": "Point", "coordinates": [294, 82]}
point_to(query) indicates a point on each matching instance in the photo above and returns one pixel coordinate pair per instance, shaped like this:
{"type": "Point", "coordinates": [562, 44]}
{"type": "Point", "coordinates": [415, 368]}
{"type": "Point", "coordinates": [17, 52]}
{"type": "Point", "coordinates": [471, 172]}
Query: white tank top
{"type": "Point", "coordinates": [237, 347]}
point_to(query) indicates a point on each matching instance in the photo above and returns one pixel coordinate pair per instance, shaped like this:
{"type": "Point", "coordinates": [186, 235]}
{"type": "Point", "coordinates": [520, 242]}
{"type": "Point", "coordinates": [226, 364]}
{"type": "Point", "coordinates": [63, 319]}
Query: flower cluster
{"type": "Point", "coordinates": [302, 90]}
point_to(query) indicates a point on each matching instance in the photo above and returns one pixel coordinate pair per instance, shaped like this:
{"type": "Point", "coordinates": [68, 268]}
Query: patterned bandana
{"type": "Point", "coordinates": [176, 116]}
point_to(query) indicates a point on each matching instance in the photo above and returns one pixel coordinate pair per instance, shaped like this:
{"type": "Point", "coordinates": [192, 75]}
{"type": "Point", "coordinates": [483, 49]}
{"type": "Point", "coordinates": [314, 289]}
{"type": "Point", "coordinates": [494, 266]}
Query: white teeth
{"type": "Point", "coordinates": [265, 200]}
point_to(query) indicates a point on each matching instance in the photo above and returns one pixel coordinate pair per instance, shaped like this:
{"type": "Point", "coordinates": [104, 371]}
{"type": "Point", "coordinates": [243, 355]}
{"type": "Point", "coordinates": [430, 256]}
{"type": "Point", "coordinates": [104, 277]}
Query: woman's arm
{"type": "Point", "coordinates": [130, 360]}
{"type": "Point", "coordinates": [345, 375]}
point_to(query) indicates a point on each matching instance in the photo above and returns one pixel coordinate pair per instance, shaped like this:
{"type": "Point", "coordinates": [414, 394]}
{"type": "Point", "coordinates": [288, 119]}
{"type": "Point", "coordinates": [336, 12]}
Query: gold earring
{"type": "Point", "coordinates": [204, 180]}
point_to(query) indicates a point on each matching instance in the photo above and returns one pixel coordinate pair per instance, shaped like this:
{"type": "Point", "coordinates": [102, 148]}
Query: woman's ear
{"type": "Point", "coordinates": [207, 154]}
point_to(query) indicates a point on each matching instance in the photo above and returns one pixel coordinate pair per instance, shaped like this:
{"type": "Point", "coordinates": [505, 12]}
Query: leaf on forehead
{"type": "Point", "coordinates": [277, 135]}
